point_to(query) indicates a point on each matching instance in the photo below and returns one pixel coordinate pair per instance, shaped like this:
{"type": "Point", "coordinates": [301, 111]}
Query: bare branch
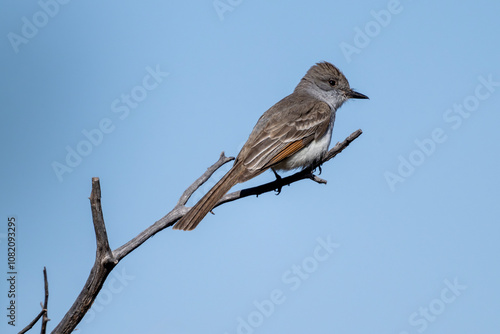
{"type": "Point", "coordinates": [106, 259]}
{"type": "Point", "coordinates": [180, 210]}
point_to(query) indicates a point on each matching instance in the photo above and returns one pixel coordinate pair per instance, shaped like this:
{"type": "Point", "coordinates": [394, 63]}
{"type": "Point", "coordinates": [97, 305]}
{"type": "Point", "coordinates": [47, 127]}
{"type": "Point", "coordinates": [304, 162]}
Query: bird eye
{"type": "Point", "coordinates": [332, 82]}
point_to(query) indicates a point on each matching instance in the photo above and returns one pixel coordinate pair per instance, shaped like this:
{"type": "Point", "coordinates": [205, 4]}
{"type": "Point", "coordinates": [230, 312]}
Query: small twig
{"type": "Point", "coordinates": [43, 312]}
{"type": "Point", "coordinates": [202, 179]}
{"type": "Point", "coordinates": [45, 318]}
{"type": "Point", "coordinates": [32, 323]}
{"type": "Point", "coordinates": [341, 146]}
{"type": "Point", "coordinates": [317, 179]}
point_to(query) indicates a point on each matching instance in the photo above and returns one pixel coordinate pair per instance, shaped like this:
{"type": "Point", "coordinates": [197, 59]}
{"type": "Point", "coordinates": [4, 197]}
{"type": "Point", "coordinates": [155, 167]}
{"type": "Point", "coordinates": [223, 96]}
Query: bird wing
{"type": "Point", "coordinates": [283, 130]}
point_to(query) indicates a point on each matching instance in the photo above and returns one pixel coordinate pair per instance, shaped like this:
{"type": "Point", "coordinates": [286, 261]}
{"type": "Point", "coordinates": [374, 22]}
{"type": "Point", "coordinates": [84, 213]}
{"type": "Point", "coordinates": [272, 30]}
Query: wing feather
{"type": "Point", "coordinates": [283, 130]}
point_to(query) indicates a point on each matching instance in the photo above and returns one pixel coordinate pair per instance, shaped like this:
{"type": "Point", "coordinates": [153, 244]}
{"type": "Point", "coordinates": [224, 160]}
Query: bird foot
{"type": "Point", "coordinates": [278, 179]}
{"type": "Point", "coordinates": [319, 169]}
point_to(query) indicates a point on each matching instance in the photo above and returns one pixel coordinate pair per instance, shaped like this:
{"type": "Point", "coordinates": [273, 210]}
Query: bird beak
{"type": "Point", "coordinates": [355, 95]}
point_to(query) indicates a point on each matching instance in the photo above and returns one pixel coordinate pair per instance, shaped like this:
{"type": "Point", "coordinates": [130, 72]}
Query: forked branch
{"type": "Point", "coordinates": [106, 259]}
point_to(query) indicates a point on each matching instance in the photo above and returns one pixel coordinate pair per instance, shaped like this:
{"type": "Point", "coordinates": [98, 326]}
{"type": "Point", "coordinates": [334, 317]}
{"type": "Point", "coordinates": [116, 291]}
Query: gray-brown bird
{"type": "Point", "coordinates": [294, 133]}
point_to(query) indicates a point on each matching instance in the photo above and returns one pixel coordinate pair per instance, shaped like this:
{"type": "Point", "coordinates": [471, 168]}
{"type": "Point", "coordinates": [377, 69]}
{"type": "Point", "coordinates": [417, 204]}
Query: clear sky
{"type": "Point", "coordinates": [403, 239]}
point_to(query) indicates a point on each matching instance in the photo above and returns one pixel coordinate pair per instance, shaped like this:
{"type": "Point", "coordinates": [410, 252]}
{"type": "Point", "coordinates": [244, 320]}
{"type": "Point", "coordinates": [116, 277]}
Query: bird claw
{"type": "Point", "coordinates": [278, 179]}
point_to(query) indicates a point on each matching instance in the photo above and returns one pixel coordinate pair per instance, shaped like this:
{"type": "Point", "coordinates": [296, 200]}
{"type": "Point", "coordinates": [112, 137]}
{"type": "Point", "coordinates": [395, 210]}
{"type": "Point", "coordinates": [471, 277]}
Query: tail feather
{"type": "Point", "coordinates": [207, 202]}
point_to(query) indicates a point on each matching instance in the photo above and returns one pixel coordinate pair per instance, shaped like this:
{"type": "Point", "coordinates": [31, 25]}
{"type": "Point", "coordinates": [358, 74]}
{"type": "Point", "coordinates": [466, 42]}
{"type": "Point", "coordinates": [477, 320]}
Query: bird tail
{"type": "Point", "coordinates": [207, 202]}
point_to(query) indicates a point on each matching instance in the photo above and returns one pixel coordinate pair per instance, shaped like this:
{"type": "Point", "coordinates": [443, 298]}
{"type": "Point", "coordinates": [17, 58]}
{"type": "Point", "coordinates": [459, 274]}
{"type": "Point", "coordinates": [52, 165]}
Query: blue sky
{"type": "Point", "coordinates": [403, 239]}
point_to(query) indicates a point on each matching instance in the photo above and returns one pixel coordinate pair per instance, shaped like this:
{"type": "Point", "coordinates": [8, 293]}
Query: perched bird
{"type": "Point", "coordinates": [294, 133]}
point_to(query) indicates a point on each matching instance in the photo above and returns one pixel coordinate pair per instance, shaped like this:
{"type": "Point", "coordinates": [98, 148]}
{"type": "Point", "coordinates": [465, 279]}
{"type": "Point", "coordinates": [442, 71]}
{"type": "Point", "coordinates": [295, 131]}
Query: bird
{"type": "Point", "coordinates": [294, 133]}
